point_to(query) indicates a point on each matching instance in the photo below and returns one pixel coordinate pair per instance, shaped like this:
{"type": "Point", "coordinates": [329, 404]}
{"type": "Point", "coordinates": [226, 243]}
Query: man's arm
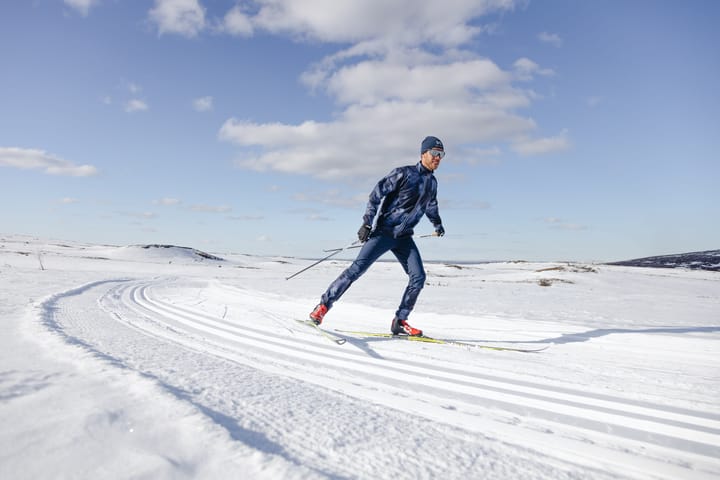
{"type": "Point", "coordinates": [433, 213]}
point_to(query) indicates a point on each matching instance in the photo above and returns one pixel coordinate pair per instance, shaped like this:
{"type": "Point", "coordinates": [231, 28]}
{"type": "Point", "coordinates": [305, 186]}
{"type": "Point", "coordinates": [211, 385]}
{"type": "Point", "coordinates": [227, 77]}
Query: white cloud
{"type": "Point", "coordinates": [203, 104]}
{"type": "Point", "coordinates": [168, 202]}
{"type": "Point", "coordinates": [136, 105]}
{"type": "Point", "coordinates": [139, 215]}
{"type": "Point", "coordinates": [363, 137]}
{"type": "Point", "coordinates": [245, 218]}
{"type": "Point", "coordinates": [210, 208]}
{"type": "Point", "coordinates": [68, 200]}
{"type": "Point", "coordinates": [400, 22]}
{"type": "Point", "coordinates": [560, 224]}
{"type": "Point", "coordinates": [391, 103]}
{"type": "Point", "coordinates": [82, 6]}
{"type": "Point", "coordinates": [526, 69]}
{"type": "Point", "coordinates": [372, 82]}
{"type": "Point", "coordinates": [33, 159]}
{"type": "Point", "coordinates": [318, 218]}
{"type": "Point", "coordinates": [404, 75]}
{"type": "Point", "coordinates": [237, 23]}
{"type": "Point", "coordinates": [182, 17]}
{"type": "Point", "coordinates": [551, 38]}
{"type": "Point", "coordinates": [482, 156]}
{"type": "Point", "coordinates": [539, 146]}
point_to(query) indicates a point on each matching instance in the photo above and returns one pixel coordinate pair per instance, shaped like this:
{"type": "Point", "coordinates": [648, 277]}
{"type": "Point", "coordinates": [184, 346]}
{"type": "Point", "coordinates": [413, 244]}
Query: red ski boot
{"type": "Point", "coordinates": [402, 327]}
{"type": "Point", "coordinates": [318, 314]}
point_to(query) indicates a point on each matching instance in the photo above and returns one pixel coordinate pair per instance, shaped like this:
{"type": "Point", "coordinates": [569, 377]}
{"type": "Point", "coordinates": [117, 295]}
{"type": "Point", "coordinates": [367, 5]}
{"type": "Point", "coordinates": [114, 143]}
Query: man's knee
{"type": "Point", "coordinates": [417, 279]}
{"type": "Point", "coordinates": [356, 270]}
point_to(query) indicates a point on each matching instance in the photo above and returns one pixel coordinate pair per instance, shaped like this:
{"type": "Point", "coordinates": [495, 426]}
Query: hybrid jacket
{"type": "Point", "coordinates": [407, 193]}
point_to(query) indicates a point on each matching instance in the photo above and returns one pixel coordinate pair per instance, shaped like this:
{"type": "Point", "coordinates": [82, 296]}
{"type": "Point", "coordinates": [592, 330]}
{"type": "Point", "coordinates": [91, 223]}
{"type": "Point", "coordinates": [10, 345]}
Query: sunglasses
{"type": "Point", "coordinates": [437, 153]}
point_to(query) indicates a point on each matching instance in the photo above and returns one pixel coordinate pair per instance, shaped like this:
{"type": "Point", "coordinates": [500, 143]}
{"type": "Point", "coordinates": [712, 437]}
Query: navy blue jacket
{"type": "Point", "coordinates": [409, 193]}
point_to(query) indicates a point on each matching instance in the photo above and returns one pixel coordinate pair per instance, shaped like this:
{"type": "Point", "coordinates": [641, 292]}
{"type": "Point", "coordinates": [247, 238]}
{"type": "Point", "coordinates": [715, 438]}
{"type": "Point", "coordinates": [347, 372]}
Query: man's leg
{"type": "Point", "coordinates": [373, 249]}
{"type": "Point", "coordinates": [408, 255]}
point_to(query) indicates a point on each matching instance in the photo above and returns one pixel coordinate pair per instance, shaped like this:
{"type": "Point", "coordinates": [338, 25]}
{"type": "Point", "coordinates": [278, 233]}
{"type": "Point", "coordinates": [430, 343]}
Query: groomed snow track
{"type": "Point", "coordinates": [239, 357]}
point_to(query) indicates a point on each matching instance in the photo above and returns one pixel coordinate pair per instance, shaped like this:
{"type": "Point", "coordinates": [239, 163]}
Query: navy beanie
{"type": "Point", "coordinates": [430, 143]}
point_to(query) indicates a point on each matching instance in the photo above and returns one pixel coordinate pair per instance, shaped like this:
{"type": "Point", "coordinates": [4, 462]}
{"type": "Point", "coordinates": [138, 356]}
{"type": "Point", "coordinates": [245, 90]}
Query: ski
{"type": "Point", "coordinates": [333, 338]}
{"type": "Point", "coordinates": [445, 341]}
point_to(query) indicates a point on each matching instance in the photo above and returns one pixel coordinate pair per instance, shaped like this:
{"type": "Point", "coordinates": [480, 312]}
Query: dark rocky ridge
{"type": "Point", "coordinates": [707, 260]}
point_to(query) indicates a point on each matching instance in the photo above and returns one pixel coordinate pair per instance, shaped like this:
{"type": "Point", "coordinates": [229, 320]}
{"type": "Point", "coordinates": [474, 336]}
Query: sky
{"type": "Point", "coordinates": [579, 131]}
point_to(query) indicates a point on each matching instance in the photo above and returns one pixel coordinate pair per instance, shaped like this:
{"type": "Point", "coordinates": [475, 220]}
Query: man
{"type": "Point", "coordinates": [407, 193]}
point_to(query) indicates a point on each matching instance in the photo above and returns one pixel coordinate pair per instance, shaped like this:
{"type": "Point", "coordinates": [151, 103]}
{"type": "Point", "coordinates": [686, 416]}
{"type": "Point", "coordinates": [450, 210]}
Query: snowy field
{"type": "Point", "coordinates": [125, 362]}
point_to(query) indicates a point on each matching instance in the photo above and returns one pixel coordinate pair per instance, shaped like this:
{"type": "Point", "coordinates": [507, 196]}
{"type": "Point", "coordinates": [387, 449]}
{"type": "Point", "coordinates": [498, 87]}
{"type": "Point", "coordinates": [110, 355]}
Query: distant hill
{"type": "Point", "coordinates": [187, 250]}
{"type": "Point", "coordinates": [707, 260]}
{"type": "Point", "coordinates": [159, 253]}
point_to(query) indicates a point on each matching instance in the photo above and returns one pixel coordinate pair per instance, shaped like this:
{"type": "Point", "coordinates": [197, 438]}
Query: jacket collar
{"type": "Point", "coordinates": [423, 170]}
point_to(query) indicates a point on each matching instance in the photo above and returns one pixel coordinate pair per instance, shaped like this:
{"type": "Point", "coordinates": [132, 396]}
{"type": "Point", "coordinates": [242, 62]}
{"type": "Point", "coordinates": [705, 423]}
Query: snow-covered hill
{"type": "Point", "coordinates": [120, 364]}
{"type": "Point", "coordinates": [707, 260]}
{"type": "Point", "coordinates": [163, 253]}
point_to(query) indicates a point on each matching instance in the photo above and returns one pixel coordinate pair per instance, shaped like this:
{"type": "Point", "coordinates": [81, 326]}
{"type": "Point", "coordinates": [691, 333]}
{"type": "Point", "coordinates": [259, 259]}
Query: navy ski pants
{"type": "Point", "coordinates": [405, 251]}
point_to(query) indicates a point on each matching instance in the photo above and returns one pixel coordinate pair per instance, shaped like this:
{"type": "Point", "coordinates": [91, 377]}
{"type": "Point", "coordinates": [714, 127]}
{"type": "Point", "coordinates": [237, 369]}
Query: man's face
{"type": "Point", "coordinates": [431, 159]}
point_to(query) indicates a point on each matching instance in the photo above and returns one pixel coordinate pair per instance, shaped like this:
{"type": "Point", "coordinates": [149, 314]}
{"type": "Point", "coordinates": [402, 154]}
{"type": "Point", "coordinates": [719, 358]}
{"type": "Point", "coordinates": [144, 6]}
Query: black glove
{"type": "Point", "coordinates": [439, 231]}
{"type": "Point", "coordinates": [364, 233]}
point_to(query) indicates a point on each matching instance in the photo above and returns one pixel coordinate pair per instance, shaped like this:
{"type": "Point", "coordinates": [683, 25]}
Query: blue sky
{"type": "Point", "coordinates": [573, 130]}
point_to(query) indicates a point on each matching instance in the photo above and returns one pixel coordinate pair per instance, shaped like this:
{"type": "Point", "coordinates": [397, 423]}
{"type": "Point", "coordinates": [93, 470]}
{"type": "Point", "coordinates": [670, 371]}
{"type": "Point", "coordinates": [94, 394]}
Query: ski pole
{"type": "Point", "coordinates": [344, 248]}
{"type": "Point", "coordinates": [434, 234]}
{"type": "Point", "coordinates": [322, 260]}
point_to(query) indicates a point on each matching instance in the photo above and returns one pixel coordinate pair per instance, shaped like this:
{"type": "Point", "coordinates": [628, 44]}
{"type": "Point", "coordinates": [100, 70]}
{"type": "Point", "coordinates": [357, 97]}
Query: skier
{"type": "Point", "coordinates": [409, 193]}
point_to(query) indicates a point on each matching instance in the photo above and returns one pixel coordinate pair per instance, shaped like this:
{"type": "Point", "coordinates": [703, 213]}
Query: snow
{"type": "Point", "coordinates": [128, 362]}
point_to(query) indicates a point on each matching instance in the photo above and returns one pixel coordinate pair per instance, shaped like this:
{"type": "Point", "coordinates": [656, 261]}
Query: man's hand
{"type": "Point", "coordinates": [439, 231]}
{"type": "Point", "coordinates": [364, 233]}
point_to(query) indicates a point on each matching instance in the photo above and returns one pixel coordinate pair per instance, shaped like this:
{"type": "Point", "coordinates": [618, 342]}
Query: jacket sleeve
{"type": "Point", "coordinates": [432, 208]}
{"type": "Point", "coordinates": [385, 186]}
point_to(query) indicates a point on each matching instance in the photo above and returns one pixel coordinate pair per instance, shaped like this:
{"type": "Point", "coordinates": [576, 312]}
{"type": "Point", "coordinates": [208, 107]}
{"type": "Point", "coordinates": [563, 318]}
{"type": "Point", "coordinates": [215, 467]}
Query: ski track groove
{"type": "Point", "coordinates": [325, 465]}
{"type": "Point", "coordinates": [469, 399]}
{"type": "Point", "coordinates": [695, 420]}
{"type": "Point", "coordinates": [210, 324]}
